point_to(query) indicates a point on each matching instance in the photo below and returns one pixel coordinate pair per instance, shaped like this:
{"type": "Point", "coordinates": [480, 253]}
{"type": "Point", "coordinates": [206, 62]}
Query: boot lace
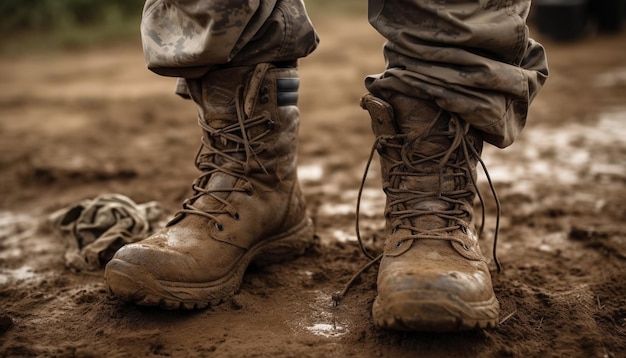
{"type": "Point", "coordinates": [401, 198]}
{"type": "Point", "coordinates": [231, 151]}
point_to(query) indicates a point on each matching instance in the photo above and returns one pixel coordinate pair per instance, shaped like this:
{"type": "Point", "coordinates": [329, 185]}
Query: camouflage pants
{"type": "Point", "coordinates": [472, 57]}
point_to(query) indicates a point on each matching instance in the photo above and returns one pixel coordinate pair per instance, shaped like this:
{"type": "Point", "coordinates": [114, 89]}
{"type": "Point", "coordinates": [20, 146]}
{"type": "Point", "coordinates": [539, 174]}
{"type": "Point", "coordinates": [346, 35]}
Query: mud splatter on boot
{"type": "Point", "coordinates": [432, 274]}
{"type": "Point", "coordinates": [247, 204]}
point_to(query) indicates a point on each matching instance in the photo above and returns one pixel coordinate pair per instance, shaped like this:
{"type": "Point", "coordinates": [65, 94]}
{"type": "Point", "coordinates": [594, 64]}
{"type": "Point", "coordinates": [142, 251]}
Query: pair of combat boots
{"type": "Point", "coordinates": [248, 206]}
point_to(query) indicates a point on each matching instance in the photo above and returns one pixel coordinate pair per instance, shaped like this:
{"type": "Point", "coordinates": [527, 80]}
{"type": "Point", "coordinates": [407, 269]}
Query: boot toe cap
{"type": "Point", "coordinates": [435, 298]}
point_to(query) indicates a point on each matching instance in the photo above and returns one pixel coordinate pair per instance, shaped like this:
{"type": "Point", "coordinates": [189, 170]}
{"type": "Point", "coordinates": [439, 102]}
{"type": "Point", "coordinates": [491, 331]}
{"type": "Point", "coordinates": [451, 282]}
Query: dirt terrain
{"type": "Point", "coordinates": [77, 125]}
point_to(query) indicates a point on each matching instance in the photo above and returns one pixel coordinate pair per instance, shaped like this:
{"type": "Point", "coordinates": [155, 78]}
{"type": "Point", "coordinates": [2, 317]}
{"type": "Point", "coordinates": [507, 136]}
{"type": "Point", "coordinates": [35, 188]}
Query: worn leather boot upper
{"type": "Point", "coordinates": [432, 275]}
{"type": "Point", "coordinates": [247, 204]}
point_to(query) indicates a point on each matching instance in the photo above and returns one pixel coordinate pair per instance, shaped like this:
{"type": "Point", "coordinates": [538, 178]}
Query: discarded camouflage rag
{"type": "Point", "coordinates": [95, 229]}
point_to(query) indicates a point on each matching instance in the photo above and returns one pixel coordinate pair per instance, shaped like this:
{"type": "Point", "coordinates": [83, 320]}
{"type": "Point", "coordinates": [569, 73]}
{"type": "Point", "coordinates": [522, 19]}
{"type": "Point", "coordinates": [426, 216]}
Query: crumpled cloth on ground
{"type": "Point", "coordinates": [94, 229]}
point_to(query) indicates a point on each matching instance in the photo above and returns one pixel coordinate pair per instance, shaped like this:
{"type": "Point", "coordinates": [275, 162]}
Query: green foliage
{"type": "Point", "coordinates": [44, 25]}
{"type": "Point", "coordinates": [18, 16]}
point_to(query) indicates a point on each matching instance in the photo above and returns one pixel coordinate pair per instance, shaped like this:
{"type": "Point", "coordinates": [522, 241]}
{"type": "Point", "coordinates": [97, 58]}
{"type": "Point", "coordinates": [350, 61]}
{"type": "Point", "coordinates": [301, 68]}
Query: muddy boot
{"type": "Point", "coordinates": [432, 275]}
{"type": "Point", "coordinates": [247, 204]}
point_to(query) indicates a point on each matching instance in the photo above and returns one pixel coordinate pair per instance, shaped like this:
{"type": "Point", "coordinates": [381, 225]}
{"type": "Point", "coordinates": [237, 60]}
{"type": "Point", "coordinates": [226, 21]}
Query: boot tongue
{"type": "Point", "coordinates": [219, 110]}
{"type": "Point", "coordinates": [219, 90]}
{"type": "Point", "coordinates": [425, 127]}
{"type": "Point", "coordinates": [218, 181]}
{"type": "Point", "coordinates": [425, 184]}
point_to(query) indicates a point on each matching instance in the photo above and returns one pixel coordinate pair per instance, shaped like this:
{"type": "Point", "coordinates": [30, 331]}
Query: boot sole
{"type": "Point", "coordinates": [133, 283]}
{"type": "Point", "coordinates": [433, 311]}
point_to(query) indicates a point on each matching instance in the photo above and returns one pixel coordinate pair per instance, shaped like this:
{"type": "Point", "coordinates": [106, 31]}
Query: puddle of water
{"type": "Point", "coordinates": [372, 203]}
{"type": "Point", "coordinates": [330, 209]}
{"type": "Point", "coordinates": [327, 330]}
{"type": "Point", "coordinates": [561, 155]}
{"type": "Point", "coordinates": [310, 173]}
{"type": "Point", "coordinates": [343, 236]}
{"type": "Point", "coordinates": [15, 224]}
{"type": "Point", "coordinates": [321, 321]}
{"type": "Point", "coordinates": [13, 228]}
{"type": "Point", "coordinates": [18, 274]}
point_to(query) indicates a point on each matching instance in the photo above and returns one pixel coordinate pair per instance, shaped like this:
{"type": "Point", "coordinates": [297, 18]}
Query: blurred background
{"type": "Point", "coordinates": [53, 24]}
{"type": "Point", "coordinates": [567, 20]}
{"type": "Point", "coordinates": [40, 25]}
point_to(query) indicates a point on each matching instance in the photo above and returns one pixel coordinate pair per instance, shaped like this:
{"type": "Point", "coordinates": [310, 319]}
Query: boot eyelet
{"type": "Point", "coordinates": [219, 227]}
{"type": "Point", "coordinates": [265, 97]}
{"type": "Point", "coordinates": [394, 229]}
{"type": "Point", "coordinates": [399, 244]}
{"type": "Point", "coordinates": [236, 216]}
{"type": "Point", "coordinates": [465, 247]}
{"type": "Point", "coordinates": [270, 124]}
{"type": "Point", "coordinates": [464, 229]}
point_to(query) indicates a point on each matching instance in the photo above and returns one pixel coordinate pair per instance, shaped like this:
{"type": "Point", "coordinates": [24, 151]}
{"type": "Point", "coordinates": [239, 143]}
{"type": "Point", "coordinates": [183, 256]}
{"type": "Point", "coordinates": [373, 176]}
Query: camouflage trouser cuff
{"type": "Point", "coordinates": [188, 39]}
{"type": "Point", "coordinates": [473, 59]}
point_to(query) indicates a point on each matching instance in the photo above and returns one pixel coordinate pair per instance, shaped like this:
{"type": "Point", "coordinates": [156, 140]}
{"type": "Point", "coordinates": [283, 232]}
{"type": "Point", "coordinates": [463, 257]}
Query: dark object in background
{"type": "Point", "coordinates": [568, 20]}
{"type": "Point", "coordinates": [610, 14]}
{"type": "Point", "coordinates": [563, 20]}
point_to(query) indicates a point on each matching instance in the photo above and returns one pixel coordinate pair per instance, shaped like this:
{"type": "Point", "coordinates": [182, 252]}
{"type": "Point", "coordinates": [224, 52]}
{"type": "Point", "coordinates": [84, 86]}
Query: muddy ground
{"type": "Point", "coordinates": [76, 125]}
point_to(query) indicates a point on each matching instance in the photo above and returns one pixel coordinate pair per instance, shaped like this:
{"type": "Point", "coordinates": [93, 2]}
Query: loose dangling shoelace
{"type": "Point", "coordinates": [460, 141]}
